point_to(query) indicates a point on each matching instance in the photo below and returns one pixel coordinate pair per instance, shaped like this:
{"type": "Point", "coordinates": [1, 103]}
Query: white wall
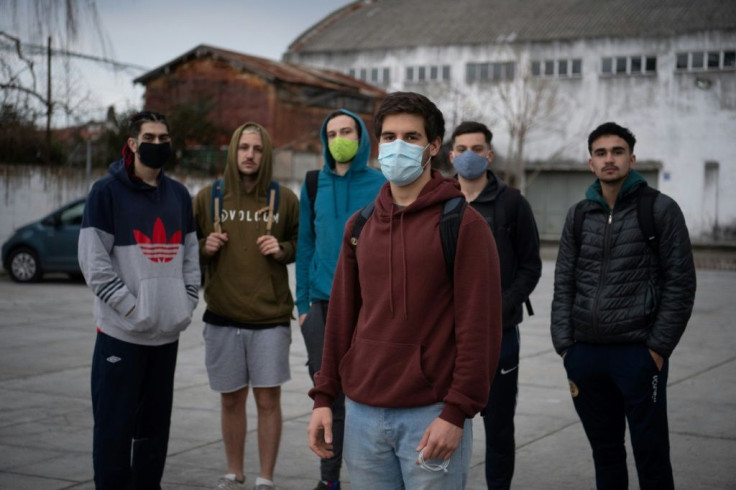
{"type": "Point", "coordinates": [675, 122]}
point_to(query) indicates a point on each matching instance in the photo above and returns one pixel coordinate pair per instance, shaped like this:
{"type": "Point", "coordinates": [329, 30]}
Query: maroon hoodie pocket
{"type": "Point", "coordinates": [386, 374]}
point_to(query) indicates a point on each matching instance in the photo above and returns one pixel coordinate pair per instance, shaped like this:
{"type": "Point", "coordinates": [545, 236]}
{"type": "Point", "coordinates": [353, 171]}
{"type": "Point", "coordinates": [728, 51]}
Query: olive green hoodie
{"type": "Point", "coordinates": [242, 285]}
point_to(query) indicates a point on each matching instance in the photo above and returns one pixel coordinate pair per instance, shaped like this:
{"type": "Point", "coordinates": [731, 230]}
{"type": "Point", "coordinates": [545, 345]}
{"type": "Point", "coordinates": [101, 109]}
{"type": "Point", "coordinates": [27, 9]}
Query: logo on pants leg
{"type": "Point", "coordinates": [573, 388]}
{"type": "Point", "coordinates": [655, 382]}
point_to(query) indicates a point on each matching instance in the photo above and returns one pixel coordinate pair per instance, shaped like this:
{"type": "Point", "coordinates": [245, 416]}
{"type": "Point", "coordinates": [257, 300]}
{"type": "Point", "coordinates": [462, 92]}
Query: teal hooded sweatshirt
{"type": "Point", "coordinates": [338, 198]}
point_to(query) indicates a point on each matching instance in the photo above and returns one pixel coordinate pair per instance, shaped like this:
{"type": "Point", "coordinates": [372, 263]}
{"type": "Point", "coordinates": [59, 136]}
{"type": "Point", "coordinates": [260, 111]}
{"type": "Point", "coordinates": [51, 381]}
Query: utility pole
{"type": "Point", "coordinates": [48, 101]}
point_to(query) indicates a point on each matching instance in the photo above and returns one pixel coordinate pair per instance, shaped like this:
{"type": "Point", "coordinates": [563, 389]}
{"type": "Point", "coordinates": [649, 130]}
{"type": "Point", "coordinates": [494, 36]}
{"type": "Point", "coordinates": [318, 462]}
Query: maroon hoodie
{"type": "Point", "coordinates": [399, 333]}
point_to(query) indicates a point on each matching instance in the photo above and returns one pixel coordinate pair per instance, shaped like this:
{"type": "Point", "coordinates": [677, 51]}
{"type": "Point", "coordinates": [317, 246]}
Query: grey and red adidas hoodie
{"type": "Point", "coordinates": [138, 248]}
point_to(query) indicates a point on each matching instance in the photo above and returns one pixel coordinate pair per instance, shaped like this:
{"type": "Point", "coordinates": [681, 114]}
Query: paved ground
{"type": "Point", "coordinates": [46, 343]}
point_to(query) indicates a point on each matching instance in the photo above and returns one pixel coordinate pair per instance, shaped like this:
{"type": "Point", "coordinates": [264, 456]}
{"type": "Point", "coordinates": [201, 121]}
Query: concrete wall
{"type": "Point", "coordinates": [686, 120]}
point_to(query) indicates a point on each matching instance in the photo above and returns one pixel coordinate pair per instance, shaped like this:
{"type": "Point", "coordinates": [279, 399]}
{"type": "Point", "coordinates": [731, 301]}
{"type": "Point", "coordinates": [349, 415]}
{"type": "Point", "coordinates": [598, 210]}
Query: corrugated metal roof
{"type": "Point", "coordinates": [270, 70]}
{"type": "Point", "coordinates": [381, 24]}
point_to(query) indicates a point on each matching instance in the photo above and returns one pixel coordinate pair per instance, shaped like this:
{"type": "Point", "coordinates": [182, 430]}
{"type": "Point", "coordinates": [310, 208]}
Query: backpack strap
{"type": "Point", "coordinates": [452, 216]}
{"type": "Point", "coordinates": [312, 182]}
{"type": "Point", "coordinates": [359, 222]}
{"type": "Point", "coordinates": [216, 194]}
{"type": "Point", "coordinates": [645, 215]}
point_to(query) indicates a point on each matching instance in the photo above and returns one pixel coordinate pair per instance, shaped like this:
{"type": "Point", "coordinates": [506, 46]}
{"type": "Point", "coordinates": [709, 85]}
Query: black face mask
{"type": "Point", "coordinates": [154, 155]}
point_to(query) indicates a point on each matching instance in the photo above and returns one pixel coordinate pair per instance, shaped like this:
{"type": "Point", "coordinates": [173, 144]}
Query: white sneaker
{"type": "Point", "coordinates": [263, 484]}
{"type": "Point", "coordinates": [229, 482]}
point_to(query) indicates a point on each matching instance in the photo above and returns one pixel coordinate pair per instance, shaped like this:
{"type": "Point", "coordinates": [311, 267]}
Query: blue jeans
{"type": "Point", "coordinates": [380, 449]}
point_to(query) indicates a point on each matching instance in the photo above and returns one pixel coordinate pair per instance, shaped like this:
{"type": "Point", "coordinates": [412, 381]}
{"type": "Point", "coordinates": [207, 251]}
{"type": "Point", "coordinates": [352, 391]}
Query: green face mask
{"type": "Point", "coordinates": [343, 150]}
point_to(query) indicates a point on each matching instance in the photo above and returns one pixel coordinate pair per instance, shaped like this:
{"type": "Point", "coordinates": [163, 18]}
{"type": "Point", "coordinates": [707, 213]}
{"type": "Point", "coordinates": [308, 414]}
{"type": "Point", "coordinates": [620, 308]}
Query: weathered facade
{"type": "Point", "coordinates": [290, 100]}
{"type": "Point", "coordinates": [542, 74]}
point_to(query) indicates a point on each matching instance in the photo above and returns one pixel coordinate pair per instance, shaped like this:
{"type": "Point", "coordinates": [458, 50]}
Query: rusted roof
{"type": "Point", "coordinates": [390, 24]}
{"type": "Point", "coordinates": [270, 70]}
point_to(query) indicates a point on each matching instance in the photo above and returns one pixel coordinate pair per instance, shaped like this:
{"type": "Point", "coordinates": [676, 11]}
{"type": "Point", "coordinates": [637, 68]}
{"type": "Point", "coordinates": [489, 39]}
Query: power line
{"type": "Point", "coordinates": [41, 50]}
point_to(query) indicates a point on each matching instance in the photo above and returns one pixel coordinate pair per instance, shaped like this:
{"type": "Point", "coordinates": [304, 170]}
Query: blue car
{"type": "Point", "coordinates": [46, 245]}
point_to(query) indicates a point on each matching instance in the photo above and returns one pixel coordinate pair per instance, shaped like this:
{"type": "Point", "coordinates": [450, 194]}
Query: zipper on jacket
{"type": "Point", "coordinates": [604, 267]}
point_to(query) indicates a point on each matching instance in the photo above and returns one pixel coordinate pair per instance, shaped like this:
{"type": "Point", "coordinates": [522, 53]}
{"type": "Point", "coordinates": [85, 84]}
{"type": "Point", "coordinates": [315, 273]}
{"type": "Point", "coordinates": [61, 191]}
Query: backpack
{"type": "Point", "coordinates": [218, 193]}
{"type": "Point", "coordinates": [452, 215]}
{"type": "Point", "coordinates": [645, 198]}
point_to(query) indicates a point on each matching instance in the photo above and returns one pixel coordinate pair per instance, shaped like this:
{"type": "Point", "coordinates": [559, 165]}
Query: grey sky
{"type": "Point", "coordinates": [151, 33]}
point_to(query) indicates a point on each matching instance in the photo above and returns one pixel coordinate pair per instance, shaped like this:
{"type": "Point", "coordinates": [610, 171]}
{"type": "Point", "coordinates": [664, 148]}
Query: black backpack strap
{"type": "Point", "coordinates": [452, 216]}
{"type": "Point", "coordinates": [359, 222]}
{"type": "Point", "coordinates": [312, 181]}
{"type": "Point", "coordinates": [645, 215]}
{"type": "Point", "coordinates": [216, 193]}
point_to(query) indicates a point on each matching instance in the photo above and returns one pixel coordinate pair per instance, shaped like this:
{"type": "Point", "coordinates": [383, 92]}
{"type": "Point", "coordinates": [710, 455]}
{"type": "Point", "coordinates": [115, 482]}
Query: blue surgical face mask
{"type": "Point", "coordinates": [401, 162]}
{"type": "Point", "coordinates": [470, 165]}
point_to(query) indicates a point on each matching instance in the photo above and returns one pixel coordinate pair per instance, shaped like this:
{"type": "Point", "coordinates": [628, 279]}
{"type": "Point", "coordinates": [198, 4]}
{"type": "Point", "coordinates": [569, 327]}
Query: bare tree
{"type": "Point", "coordinates": [28, 30]}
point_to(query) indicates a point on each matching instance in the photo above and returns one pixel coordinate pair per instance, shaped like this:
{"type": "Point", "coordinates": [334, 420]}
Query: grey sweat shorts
{"type": "Point", "coordinates": [239, 357]}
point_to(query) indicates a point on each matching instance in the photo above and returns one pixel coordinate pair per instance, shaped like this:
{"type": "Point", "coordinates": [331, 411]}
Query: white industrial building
{"type": "Point", "coordinates": [543, 73]}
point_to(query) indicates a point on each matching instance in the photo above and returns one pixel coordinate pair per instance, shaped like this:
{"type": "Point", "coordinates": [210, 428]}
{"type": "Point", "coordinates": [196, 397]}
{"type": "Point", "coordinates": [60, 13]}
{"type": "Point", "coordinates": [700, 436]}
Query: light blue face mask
{"type": "Point", "coordinates": [470, 165]}
{"type": "Point", "coordinates": [401, 162]}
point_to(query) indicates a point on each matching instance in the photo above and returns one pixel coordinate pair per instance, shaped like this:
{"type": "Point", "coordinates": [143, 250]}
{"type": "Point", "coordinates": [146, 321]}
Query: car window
{"type": "Point", "coordinates": [72, 216]}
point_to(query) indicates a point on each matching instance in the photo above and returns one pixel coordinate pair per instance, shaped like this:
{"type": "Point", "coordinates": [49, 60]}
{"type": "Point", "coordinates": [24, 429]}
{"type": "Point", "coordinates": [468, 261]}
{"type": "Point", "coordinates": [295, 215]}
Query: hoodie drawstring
{"type": "Point", "coordinates": [390, 261]}
{"type": "Point", "coordinates": [405, 269]}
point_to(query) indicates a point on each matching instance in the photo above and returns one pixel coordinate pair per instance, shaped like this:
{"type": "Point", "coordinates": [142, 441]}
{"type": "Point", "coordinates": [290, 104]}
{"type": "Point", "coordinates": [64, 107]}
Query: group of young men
{"type": "Point", "coordinates": [410, 291]}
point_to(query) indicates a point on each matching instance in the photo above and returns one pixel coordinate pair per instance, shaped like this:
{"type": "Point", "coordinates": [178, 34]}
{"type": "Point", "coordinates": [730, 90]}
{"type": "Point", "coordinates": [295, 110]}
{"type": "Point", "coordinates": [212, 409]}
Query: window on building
{"type": "Point", "coordinates": [714, 60]}
{"type": "Point", "coordinates": [621, 64]}
{"type": "Point", "coordinates": [374, 75]}
{"type": "Point", "coordinates": [490, 72]}
{"type": "Point", "coordinates": [629, 65]}
{"type": "Point", "coordinates": [445, 72]}
{"type": "Point", "coordinates": [364, 74]}
{"type": "Point", "coordinates": [351, 72]}
{"type": "Point", "coordinates": [729, 59]}
{"type": "Point", "coordinates": [386, 76]}
{"type": "Point", "coordinates": [433, 72]}
{"type": "Point", "coordinates": [536, 68]}
{"type": "Point", "coordinates": [607, 66]}
{"type": "Point", "coordinates": [561, 68]}
{"type": "Point", "coordinates": [697, 61]}
{"type": "Point", "coordinates": [709, 60]}
{"type": "Point", "coordinates": [409, 73]}
{"type": "Point", "coordinates": [681, 63]}
{"type": "Point", "coordinates": [549, 68]}
{"type": "Point", "coordinates": [577, 66]}
{"type": "Point", "coordinates": [421, 73]}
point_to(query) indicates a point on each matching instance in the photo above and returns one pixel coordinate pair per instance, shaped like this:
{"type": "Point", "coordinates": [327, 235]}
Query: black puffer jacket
{"type": "Point", "coordinates": [618, 290]}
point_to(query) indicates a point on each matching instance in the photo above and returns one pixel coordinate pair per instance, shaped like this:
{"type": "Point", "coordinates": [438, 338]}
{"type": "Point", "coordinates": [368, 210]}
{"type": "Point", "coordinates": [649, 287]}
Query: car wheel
{"type": "Point", "coordinates": [24, 265]}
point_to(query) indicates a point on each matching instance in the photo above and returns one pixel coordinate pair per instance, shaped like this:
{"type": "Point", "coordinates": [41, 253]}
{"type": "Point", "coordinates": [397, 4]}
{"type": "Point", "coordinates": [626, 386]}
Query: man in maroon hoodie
{"type": "Point", "coordinates": [407, 344]}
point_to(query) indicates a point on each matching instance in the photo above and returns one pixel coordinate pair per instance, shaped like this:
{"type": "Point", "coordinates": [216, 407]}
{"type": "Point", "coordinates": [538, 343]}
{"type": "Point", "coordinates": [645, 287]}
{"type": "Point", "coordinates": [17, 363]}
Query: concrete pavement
{"type": "Point", "coordinates": [46, 341]}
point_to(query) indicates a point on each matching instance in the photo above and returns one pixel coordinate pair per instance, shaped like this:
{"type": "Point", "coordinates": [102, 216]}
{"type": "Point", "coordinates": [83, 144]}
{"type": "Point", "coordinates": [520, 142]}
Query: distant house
{"type": "Point", "coordinates": [544, 73]}
{"type": "Point", "coordinates": [290, 100]}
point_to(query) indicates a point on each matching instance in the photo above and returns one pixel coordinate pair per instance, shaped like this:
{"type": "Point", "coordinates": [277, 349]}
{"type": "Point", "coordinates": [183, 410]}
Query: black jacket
{"type": "Point", "coordinates": [517, 243]}
{"type": "Point", "coordinates": [617, 289]}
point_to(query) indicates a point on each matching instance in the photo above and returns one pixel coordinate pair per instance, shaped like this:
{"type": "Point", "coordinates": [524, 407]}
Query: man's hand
{"type": "Point", "coordinates": [440, 440]}
{"type": "Point", "coordinates": [658, 360]}
{"type": "Point", "coordinates": [320, 432]}
{"type": "Point", "coordinates": [302, 317]}
{"type": "Point", "coordinates": [268, 245]}
{"type": "Point", "coordinates": [214, 242]}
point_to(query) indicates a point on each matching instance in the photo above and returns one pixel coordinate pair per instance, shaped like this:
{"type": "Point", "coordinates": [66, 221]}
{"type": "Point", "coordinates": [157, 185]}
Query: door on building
{"type": "Point", "coordinates": [551, 193]}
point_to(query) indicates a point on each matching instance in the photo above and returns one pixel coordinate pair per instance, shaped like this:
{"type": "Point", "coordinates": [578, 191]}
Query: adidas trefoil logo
{"type": "Point", "coordinates": [113, 359]}
{"type": "Point", "coordinates": [158, 248]}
